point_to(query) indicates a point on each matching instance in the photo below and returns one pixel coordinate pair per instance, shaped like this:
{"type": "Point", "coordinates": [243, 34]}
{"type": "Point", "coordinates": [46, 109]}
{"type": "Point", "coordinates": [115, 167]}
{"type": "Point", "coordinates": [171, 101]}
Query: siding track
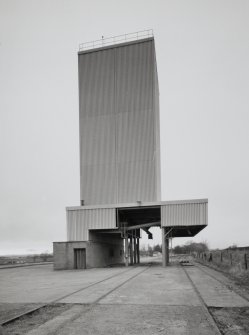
{"type": "Point", "coordinates": [33, 310]}
{"type": "Point", "coordinates": [208, 315]}
{"type": "Point", "coordinates": [200, 267]}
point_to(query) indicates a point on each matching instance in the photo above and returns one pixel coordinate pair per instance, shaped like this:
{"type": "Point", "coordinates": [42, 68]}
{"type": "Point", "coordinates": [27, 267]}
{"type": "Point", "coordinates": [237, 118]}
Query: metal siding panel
{"type": "Point", "coordinates": [134, 77]}
{"type": "Point", "coordinates": [97, 127]}
{"type": "Point", "coordinates": [97, 140]}
{"type": "Point", "coordinates": [96, 83]}
{"type": "Point", "coordinates": [135, 136]}
{"type": "Point", "coordinates": [98, 184]}
{"type": "Point", "coordinates": [98, 167]}
{"type": "Point", "coordinates": [136, 181]}
{"type": "Point", "coordinates": [67, 223]}
{"type": "Point", "coordinates": [184, 214]}
{"type": "Point", "coordinates": [119, 125]}
{"type": "Point", "coordinates": [80, 221]}
{"type": "Point", "coordinates": [136, 169]}
{"type": "Point", "coordinates": [157, 125]}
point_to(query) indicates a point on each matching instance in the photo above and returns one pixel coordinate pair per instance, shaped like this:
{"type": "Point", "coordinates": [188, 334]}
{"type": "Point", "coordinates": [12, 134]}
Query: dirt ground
{"type": "Point", "coordinates": [239, 280]}
{"type": "Point", "coordinates": [28, 322]}
{"type": "Point", "coordinates": [231, 320]}
{"type": "Point", "coordinates": [8, 311]}
{"type": "Point", "coordinates": [239, 277]}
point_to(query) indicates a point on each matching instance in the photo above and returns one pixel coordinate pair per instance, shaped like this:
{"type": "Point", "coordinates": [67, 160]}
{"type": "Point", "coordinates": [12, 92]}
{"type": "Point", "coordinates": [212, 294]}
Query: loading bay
{"type": "Point", "coordinates": [143, 299]}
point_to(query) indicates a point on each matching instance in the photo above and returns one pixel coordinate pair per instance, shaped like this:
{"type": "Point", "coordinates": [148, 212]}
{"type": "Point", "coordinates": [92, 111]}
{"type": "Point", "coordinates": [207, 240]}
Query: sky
{"type": "Point", "coordinates": [202, 50]}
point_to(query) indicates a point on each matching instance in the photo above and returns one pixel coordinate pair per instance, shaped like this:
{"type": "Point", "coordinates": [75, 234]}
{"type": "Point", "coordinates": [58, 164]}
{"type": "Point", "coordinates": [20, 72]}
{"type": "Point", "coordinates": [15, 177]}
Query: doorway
{"type": "Point", "coordinates": [80, 258]}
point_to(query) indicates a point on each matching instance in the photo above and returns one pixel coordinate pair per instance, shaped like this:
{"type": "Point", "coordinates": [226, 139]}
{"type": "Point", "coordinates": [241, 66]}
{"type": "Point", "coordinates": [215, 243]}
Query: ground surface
{"type": "Point", "coordinates": [232, 320]}
{"type": "Point", "coordinates": [138, 300]}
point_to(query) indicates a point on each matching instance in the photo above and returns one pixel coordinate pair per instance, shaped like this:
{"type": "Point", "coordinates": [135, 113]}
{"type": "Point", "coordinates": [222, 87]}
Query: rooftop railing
{"type": "Point", "coordinates": [116, 40]}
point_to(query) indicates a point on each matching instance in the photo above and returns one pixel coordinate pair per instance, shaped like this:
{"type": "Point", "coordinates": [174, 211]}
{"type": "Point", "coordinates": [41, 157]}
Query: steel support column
{"type": "Point", "coordinates": [126, 255]}
{"type": "Point", "coordinates": [138, 253]}
{"type": "Point", "coordinates": [167, 250]}
{"type": "Point", "coordinates": [135, 249]}
{"type": "Point", "coordinates": [165, 247]}
{"type": "Point", "coordinates": [131, 250]}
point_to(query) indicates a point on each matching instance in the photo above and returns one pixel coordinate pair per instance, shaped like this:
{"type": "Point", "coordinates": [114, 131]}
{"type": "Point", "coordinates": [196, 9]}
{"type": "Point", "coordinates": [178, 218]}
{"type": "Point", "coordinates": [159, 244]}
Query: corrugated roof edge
{"type": "Point", "coordinates": [116, 45]}
{"type": "Point", "coordinates": [143, 204]}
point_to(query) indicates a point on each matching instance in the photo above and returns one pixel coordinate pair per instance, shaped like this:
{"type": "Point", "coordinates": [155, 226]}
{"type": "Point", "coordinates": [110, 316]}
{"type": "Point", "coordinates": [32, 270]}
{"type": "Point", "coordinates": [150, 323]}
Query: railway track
{"type": "Point", "coordinates": [6, 267]}
{"type": "Point", "coordinates": [208, 315]}
{"type": "Point", "coordinates": [128, 278]}
{"type": "Point", "coordinates": [222, 282]}
{"type": "Point", "coordinates": [33, 310]}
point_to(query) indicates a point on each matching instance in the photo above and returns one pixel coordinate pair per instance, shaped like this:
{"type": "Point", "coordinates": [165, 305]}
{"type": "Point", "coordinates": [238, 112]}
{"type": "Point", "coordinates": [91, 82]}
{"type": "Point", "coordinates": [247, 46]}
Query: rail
{"type": "Point", "coordinates": [37, 308]}
{"type": "Point", "coordinates": [116, 40]}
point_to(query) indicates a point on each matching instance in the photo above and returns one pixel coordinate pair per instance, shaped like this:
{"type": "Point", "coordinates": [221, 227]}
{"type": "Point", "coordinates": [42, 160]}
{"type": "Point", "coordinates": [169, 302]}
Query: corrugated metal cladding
{"type": "Point", "coordinates": [157, 129]}
{"type": "Point", "coordinates": [187, 214]}
{"type": "Point", "coordinates": [119, 124]}
{"type": "Point", "coordinates": [80, 221]}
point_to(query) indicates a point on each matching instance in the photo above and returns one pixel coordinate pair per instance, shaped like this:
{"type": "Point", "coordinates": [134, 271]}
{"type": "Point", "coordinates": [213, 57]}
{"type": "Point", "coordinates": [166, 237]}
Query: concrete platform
{"type": "Point", "coordinates": [130, 319]}
{"type": "Point", "coordinates": [138, 300]}
{"type": "Point", "coordinates": [156, 286]}
{"type": "Point", "coordinates": [213, 292]}
{"type": "Point", "coordinates": [40, 284]}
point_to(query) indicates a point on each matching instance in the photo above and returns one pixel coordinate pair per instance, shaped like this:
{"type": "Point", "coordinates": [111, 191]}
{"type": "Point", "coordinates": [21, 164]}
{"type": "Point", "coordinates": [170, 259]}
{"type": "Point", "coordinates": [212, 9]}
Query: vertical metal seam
{"type": "Point", "coordinates": [79, 127]}
{"type": "Point", "coordinates": [154, 123]}
{"type": "Point", "coordinates": [115, 124]}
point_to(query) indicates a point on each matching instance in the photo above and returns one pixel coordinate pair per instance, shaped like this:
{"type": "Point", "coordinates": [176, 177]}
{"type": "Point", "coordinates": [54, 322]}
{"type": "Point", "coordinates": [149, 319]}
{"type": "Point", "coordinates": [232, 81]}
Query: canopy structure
{"type": "Point", "coordinates": [183, 218]}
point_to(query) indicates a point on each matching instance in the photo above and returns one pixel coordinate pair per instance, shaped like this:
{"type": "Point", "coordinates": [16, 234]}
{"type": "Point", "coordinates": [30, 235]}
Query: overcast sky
{"type": "Point", "coordinates": [202, 49]}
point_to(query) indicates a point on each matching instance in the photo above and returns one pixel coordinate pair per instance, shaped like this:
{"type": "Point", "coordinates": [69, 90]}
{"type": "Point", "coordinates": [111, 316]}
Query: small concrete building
{"type": "Point", "coordinates": [120, 181]}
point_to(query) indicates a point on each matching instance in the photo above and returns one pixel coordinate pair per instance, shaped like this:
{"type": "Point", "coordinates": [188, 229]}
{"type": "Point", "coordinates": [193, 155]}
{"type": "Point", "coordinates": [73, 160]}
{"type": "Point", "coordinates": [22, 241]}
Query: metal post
{"type": "Point", "coordinates": [131, 251]}
{"type": "Point", "coordinates": [135, 248]}
{"type": "Point", "coordinates": [138, 253]}
{"type": "Point", "coordinates": [163, 247]}
{"type": "Point", "coordinates": [126, 250]}
{"type": "Point", "coordinates": [167, 250]}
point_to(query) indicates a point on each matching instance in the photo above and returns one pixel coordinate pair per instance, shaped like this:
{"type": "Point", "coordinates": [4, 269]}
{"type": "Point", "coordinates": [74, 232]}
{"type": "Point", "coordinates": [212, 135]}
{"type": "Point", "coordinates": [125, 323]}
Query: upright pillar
{"type": "Point", "coordinates": [138, 254]}
{"type": "Point", "coordinates": [163, 247]}
{"type": "Point", "coordinates": [135, 249]}
{"type": "Point", "coordinates": [131, 250]}
{"type": "Point", "coordinates": [167, 250]}
{"type": "Point", "coordinates": [126, 250]}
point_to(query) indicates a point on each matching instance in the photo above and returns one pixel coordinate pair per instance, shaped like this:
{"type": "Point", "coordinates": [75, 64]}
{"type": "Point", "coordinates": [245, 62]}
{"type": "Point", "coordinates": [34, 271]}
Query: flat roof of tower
{"type": "Point", "coordinates": [116, 41]}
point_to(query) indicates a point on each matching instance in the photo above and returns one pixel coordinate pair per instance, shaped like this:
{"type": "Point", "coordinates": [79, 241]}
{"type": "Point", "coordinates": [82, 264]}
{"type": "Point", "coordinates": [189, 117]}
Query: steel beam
{"type": "Point", "coordinates": [145, 225]}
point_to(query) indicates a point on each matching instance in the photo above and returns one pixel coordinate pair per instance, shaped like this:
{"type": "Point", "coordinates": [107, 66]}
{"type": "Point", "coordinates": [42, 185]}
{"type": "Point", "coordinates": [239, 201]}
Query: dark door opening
{"type": "Point", "coordinates": [80, 258]}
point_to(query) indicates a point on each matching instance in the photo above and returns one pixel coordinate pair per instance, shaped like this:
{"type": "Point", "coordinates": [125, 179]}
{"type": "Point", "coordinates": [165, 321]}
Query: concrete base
{"type": "Point", "coordinates": [102, 250]}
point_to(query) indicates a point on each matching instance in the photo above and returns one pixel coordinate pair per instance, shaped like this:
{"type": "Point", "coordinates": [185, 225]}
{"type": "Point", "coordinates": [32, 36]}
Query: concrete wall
{"type": "Point", "coordinates": [101, 251]}
{"type": "Point", "coordinates": [64, 254]}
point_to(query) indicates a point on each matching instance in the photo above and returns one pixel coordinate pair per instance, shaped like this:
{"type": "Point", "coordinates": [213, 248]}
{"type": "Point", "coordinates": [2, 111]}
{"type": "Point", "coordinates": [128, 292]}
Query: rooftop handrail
{"type": "Point", "coordinates": [116, 40]}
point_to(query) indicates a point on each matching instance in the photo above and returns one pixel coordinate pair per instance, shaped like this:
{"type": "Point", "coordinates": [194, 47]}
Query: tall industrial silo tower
{"type": "Point", "coordinates": [119, 123]}
{"type": "Point", "coordinates": [120, 159]}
